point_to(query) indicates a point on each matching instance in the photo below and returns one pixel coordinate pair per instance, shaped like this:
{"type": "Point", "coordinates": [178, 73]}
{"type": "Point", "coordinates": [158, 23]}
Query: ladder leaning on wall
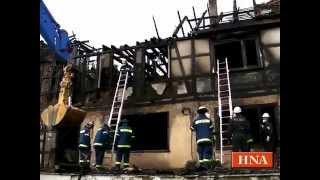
{"type": "Point", "coordinates": [225, 104]}
{"type": "Point", "coordinates": [117, 105]}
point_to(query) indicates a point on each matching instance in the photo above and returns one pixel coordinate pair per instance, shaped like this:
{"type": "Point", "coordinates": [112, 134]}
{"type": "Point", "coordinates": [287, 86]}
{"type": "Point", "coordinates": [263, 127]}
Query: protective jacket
{"type": "Point", "coordinates": [84, 140]}
{"type": "Point", "coordinates": [203, 127]}
{"type": "Point", "coordinates": [101, 139]}
{"type": "Point", "coordinates": [124, 136]}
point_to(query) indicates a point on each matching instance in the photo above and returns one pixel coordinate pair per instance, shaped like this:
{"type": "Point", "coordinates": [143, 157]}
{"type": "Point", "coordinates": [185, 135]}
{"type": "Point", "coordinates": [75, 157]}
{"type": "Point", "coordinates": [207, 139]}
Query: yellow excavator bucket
{"type": "Point", "coordinates": [62, 112]}
{"type": "Point", "coordinates": [54, 115]}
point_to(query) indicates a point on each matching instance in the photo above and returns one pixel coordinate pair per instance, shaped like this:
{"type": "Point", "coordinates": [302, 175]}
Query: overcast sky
{"type": "Point", "coordinates": [120, 22]}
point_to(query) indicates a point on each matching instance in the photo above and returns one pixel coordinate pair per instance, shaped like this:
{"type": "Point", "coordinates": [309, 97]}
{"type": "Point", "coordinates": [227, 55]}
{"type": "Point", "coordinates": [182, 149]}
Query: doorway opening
{"type": "Point", "coordinates": [67, 141]}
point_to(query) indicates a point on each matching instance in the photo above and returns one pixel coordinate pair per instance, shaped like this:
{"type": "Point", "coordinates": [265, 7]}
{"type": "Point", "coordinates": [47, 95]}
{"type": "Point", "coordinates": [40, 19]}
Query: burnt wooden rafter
{"type": "Point", "coordinates": [152, 56]}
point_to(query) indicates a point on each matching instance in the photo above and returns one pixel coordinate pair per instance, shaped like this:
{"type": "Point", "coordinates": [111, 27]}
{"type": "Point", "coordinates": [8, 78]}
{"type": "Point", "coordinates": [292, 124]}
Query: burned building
{"type": "Point", "coordinates": [175, 75]}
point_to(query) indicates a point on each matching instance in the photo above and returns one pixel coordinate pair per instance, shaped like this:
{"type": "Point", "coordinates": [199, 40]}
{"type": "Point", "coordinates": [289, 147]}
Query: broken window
{"type": "Point", "coordinates": [240, 54]}
{"type": "Point", "coordinates": [231, 51]}
{"type": "Point", "coordinates": [151, 130]}
{"type": "Point", "coordinates": [251, 52]}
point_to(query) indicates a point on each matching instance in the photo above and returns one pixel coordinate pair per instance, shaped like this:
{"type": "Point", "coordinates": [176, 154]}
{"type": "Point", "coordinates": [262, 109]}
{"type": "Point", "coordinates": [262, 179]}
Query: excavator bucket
{"type": "Point", "coordinates": [54, 115]}
{"type": "Point", "coordinates": [62, 111]}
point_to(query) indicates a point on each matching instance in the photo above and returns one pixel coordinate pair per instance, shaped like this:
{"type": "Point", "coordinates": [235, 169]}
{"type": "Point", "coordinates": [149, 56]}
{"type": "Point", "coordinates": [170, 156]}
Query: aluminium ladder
{"type": "Point", "coordinates": [225, 104]}
{"type": "Point", "coordinates": [117, 104]}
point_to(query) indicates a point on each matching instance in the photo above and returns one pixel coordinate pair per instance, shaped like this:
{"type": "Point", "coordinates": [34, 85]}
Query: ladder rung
{"type": "Point", "coordinates": [223, 79]}
{"type": "Point", "coordinates": [223, 73]}
{"type": "Point", "coordinates": [224, 85]}
{"type": "Point", "coordinates": [225, 110]}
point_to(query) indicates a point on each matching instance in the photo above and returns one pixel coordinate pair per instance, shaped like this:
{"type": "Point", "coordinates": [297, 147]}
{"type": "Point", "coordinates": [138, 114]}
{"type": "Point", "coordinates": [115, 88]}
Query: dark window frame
{"type": "Point", "coordinates": [244, 58]}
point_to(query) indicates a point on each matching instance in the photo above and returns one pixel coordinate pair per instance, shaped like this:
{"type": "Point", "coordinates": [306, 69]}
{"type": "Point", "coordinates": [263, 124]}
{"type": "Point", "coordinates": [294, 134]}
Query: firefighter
{"type": "Point", "coordinates": [240, 129]}
{"type": "Point", "coordinates": [125, 66]}
{"type": "Point", "coordinates": [267, 132]}
{"type": "Point", "coordinates": [123, 144]}
{"type": "Point", "coordinates": [203, 127]}
{"type": "Point", "coordinates": [84, 145]}
{"type": "Point", "coordinates": [100, 145]}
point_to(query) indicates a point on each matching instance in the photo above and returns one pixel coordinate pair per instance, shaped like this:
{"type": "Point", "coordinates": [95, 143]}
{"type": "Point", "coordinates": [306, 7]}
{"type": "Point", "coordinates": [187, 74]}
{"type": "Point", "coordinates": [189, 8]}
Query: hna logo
{"type": "Point", "coordinates": [252, 159]}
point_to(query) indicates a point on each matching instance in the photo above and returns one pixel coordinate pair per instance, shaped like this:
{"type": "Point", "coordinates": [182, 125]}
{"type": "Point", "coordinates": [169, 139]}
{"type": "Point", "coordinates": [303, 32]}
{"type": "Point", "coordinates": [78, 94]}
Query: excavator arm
{"type": "Point", "coordinates": [56, 38]}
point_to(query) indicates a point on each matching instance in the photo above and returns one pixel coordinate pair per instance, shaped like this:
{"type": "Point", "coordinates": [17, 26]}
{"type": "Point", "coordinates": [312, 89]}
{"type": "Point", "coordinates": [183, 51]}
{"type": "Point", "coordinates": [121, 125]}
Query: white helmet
{"type": "Point", "coordinates": [237, 109]}
{"type": "Point", "coordinates": [265, 115]}
{"type": "Point", "coordinates": [202, 109]}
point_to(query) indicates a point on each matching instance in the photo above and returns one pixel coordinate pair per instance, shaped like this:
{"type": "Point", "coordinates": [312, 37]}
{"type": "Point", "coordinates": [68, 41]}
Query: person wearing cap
{"type": "Point", "coordinates": [267, 132]}
{"type": "Point", "coordinates": [240, 129]}
{"type": "Point", "coordinates": [203, 127]}
{"type": "Point", "coordinates": [123, 142]}
{"type": "Point", "coordinates": [84, 145]}
{"type": "Point", "coordinates": [100, 144]}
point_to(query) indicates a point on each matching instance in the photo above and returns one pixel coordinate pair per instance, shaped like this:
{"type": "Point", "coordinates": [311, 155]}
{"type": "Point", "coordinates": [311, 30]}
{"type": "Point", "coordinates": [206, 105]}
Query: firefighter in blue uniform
{"type": "Point", "coordinates": [123, 144]}
{"type": "Point", "coordinates": [240, 128]}
{"type": "Point", "coordinates": [100, 145]}
{"type": "Point", "coordinates": [204, 135]}
{"type": "Point", "coordinates": [84, 145]}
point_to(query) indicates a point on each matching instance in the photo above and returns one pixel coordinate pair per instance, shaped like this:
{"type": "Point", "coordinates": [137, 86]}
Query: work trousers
{"type": "Point", "coordinates": [99, 155]}
{"type": "Point", "coordinates": [205, 152]}
{"type": "Point", "coordinates": [123, 154]}
{"type": "Point", "coordinates": [240, 142]}
{"type": "Point", "coordinates": [84, 155]}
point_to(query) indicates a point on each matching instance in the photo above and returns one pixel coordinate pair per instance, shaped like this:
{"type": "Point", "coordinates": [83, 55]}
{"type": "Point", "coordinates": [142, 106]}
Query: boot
{"type": "Point", "coordinates": [99, 168]}
{"type": "Point", "coordinates": [116, 168]}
